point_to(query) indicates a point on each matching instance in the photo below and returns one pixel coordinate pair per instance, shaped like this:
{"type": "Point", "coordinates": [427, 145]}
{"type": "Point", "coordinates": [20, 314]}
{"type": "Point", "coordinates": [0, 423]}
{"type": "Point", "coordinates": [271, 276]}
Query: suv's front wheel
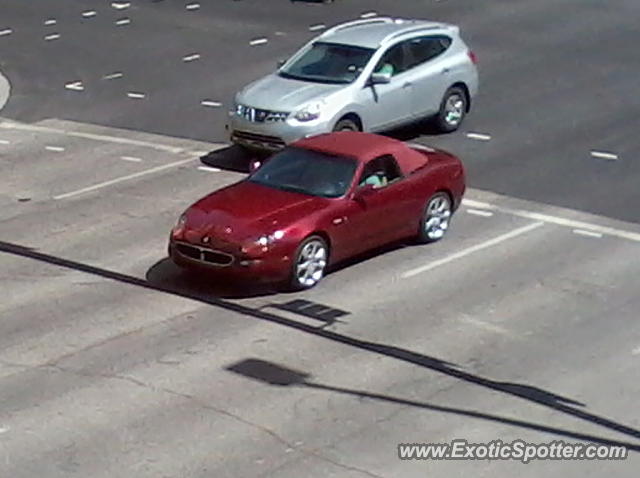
{"type": "Point", "coordinates": [346, 124]}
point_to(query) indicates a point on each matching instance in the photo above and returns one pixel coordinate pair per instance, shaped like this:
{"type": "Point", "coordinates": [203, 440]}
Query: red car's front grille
{"type": "Point", "coordinates": [208, 256]}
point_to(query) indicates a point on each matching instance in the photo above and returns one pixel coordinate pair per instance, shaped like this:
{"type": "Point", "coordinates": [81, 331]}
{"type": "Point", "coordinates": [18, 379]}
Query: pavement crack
{"type": "Point", "coordinates": [315, 453]}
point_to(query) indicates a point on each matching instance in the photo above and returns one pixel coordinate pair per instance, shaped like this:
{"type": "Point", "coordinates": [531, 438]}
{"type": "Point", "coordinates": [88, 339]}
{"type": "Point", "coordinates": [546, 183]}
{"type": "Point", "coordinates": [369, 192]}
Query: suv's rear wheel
{"type": "Point", "coordinates": [346, 124]}
{"type": "Point", "coordinates": [452, 110]}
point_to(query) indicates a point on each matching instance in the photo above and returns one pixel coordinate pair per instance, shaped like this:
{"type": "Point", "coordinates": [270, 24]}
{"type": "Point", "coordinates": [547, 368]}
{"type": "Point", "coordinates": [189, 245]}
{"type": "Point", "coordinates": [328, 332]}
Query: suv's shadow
{"type": "Point", "coordinates": [233, 158]}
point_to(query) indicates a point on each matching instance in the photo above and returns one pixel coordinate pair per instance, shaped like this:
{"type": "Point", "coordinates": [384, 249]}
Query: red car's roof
{"type": "Point", "coordinates": [363, 147]}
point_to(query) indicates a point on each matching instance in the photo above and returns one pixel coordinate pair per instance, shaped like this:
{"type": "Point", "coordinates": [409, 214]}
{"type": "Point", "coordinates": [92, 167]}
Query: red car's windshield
{"type": "Point", "coordinates": [307, 172]}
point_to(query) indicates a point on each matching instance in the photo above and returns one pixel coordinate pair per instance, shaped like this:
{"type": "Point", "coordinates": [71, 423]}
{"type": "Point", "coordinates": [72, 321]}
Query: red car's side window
{"type": "Point", "coordinates": [380, 172]}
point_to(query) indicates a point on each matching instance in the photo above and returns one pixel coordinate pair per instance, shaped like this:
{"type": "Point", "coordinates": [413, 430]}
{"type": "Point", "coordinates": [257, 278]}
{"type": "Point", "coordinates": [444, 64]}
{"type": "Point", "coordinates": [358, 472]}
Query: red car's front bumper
{"type": "Point", "coordinates": [267, 268]}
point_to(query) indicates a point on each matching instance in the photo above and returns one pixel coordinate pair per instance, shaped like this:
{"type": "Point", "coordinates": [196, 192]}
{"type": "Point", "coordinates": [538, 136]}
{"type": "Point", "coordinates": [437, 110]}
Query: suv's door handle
{"type": "Point", "coordinates": [446, 70]}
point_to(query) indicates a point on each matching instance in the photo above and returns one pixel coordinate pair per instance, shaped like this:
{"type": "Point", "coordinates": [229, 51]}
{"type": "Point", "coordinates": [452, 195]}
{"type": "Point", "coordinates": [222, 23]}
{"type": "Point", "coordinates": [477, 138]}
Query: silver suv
{"type": "Point", "coordinates": [364, 75]}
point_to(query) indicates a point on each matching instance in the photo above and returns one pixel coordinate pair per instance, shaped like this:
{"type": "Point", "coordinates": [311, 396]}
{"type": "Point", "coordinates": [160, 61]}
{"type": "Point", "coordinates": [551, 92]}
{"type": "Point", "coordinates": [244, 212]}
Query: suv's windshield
{"type": "Point", "coordinates": [329, 63]}
{"type": "Point", "coordinates": [307, 172]}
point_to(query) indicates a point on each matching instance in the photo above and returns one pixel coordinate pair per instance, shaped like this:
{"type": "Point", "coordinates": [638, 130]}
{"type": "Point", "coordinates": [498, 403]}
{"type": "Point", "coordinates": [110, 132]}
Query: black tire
{"type": "Point", "coordinates": [346, 124]}
{"type": "Point", "coordinates": [438, 210]}
{"type": "Point", "coordinates": [453, 110]}
{"type": "Point", "coordinates": [296, 282]}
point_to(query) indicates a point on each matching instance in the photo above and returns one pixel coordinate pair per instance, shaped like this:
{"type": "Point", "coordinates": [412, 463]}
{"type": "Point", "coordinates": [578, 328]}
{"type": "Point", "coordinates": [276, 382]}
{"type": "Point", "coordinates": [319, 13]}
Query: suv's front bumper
{"type": "Point", "coordinates": [273, 135]}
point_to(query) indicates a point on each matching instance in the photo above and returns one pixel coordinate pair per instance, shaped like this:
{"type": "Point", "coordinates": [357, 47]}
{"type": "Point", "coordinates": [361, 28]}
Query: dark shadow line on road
{"type": "Point", "coordinates": [277, 375]}
{"type": "Point", "coordinates": [530, 393]}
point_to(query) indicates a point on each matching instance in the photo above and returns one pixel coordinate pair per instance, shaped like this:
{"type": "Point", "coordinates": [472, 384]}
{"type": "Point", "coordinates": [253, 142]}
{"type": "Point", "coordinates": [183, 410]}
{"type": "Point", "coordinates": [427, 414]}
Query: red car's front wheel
{"type": "Point", "coordinates": [309, 263]}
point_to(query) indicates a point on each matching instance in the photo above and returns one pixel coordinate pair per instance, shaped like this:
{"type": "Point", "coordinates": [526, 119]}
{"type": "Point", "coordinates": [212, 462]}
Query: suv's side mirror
{"type": "Point", "coordinates": [380, 78]}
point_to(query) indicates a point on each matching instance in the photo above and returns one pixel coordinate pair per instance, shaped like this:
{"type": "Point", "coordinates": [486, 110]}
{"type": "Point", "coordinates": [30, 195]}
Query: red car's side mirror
{"type": "Point", "coordinates": [363, 191]}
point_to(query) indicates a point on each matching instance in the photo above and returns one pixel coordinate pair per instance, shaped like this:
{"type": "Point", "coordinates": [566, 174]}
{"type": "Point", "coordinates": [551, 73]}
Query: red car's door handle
{"type": "Point", "coordinates": [339, 220]}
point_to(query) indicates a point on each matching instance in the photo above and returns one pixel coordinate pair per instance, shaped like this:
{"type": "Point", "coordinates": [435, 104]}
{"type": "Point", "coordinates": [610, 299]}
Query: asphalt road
{"type": "Point", "coordinates": [559, 79]}
{"type": "Point", "coordinates": [520, 325]}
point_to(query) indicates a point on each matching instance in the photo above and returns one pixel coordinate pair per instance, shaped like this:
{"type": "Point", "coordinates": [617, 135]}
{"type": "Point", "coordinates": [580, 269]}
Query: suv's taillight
{"type": "Point", "coordinates": [473, 57]}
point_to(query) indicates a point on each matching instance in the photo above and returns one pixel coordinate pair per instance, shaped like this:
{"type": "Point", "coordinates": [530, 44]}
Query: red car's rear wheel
{"type": "Point", "coordinates": [435, 218]}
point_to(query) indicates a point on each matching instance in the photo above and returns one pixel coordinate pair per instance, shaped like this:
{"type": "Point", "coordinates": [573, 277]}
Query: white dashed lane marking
{"type": "Point", "coordinates": [89, 13]}
{"type": "Point", "coordinates": [317, 27]}
{"type": "Point", "coordinates": [470, 250]}
{"type": "Point", "coordinates": [120, 5]}
{"type": "Point", "coordinates": [135, 95]}
{"type": "Point", "coordinates": [192, 57]}
{"type": "Point", "coordinates": [123, 21]}
{"type": "Point", "coordinates": [192, 6]}
{"type": "Point", "coordinates": [479, 136]}
{"type": "Point", "coordinates": [6, 31]}
{"type": "Point", "coordinates": [208, 169]}
{"type": "Point", "coordinates": [113, 76]}
{"type": "Point", "coordinates": [57, 149]}
{"type": "Point", "coordinates": [604, 155]}
{"type": "Point", "coordinates": [50, 21]}
{"type": "Point", "coordinates": [368, 14]}
{"type": "Point", "coordinates": [212, 104]}
{"type": "Point", "coordinates": [132, 159]}
{"type": "Point", "coordinates": [76, 86]}
{"type": "Point", "coordinates": [4, 141]}
{"type": "Point", "coordinates": [258, 41]}
{"type": "Point", "coordinates": [53, 36]}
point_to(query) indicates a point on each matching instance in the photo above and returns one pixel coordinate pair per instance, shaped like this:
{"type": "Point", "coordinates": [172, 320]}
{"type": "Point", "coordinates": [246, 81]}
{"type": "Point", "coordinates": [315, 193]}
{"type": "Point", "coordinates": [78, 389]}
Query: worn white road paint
{"type": "Point", "coordinates": [560, 221]}
{"type": "Point", "coordinates": [479, 212]}
{"type": "Point", "coordinates": [487, 326]}
{"type": "Point", "coordinates": [582, 232]}
{"type": "Point", "coordinates": [122, 179]}
{"type": "Point", "coordinates": [471, 250]}
{"type": "Point", "coordinates": [75, 85]}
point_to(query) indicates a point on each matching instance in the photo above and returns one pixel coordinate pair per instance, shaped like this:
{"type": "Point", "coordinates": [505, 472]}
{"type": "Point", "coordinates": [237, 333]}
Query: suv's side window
{"type": "Point", "coordinates": [380, 172]}
{"type": "Point", "coordinates": [393, 61]}
{"type": "Point", "coordinates": [422, 49]}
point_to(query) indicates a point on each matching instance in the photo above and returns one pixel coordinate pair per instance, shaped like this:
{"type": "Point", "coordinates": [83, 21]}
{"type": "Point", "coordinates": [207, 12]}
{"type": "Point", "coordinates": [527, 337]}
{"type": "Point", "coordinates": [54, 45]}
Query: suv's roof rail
{"type": "Point", "coordinates": [424, 27]}
{"type": "Point", "coordinates": [359, 22]}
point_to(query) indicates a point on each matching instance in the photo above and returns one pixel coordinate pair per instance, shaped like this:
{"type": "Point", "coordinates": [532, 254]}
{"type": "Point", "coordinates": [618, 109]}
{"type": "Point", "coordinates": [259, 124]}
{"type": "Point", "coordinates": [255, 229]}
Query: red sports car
{"type": "Point", "coordinates": [317, 202]}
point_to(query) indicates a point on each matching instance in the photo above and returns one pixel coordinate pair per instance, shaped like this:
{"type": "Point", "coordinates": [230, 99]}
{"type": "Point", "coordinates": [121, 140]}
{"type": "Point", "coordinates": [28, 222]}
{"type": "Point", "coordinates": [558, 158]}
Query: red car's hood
{"type": "Point", "coordinates": [246, 210]}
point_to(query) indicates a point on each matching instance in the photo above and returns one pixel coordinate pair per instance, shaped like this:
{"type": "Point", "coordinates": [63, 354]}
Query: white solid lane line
{"type": "Point", "coordinates": [560, 221]}
{"type": "Point", "coordinates": [470, 250]}
{"type": "Point", "coordinates": [123, 179]}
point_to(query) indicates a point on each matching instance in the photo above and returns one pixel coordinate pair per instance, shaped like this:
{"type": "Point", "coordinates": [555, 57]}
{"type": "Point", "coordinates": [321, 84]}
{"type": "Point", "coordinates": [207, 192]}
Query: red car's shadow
{"type": "Point", "coordinates": [166, 275]}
